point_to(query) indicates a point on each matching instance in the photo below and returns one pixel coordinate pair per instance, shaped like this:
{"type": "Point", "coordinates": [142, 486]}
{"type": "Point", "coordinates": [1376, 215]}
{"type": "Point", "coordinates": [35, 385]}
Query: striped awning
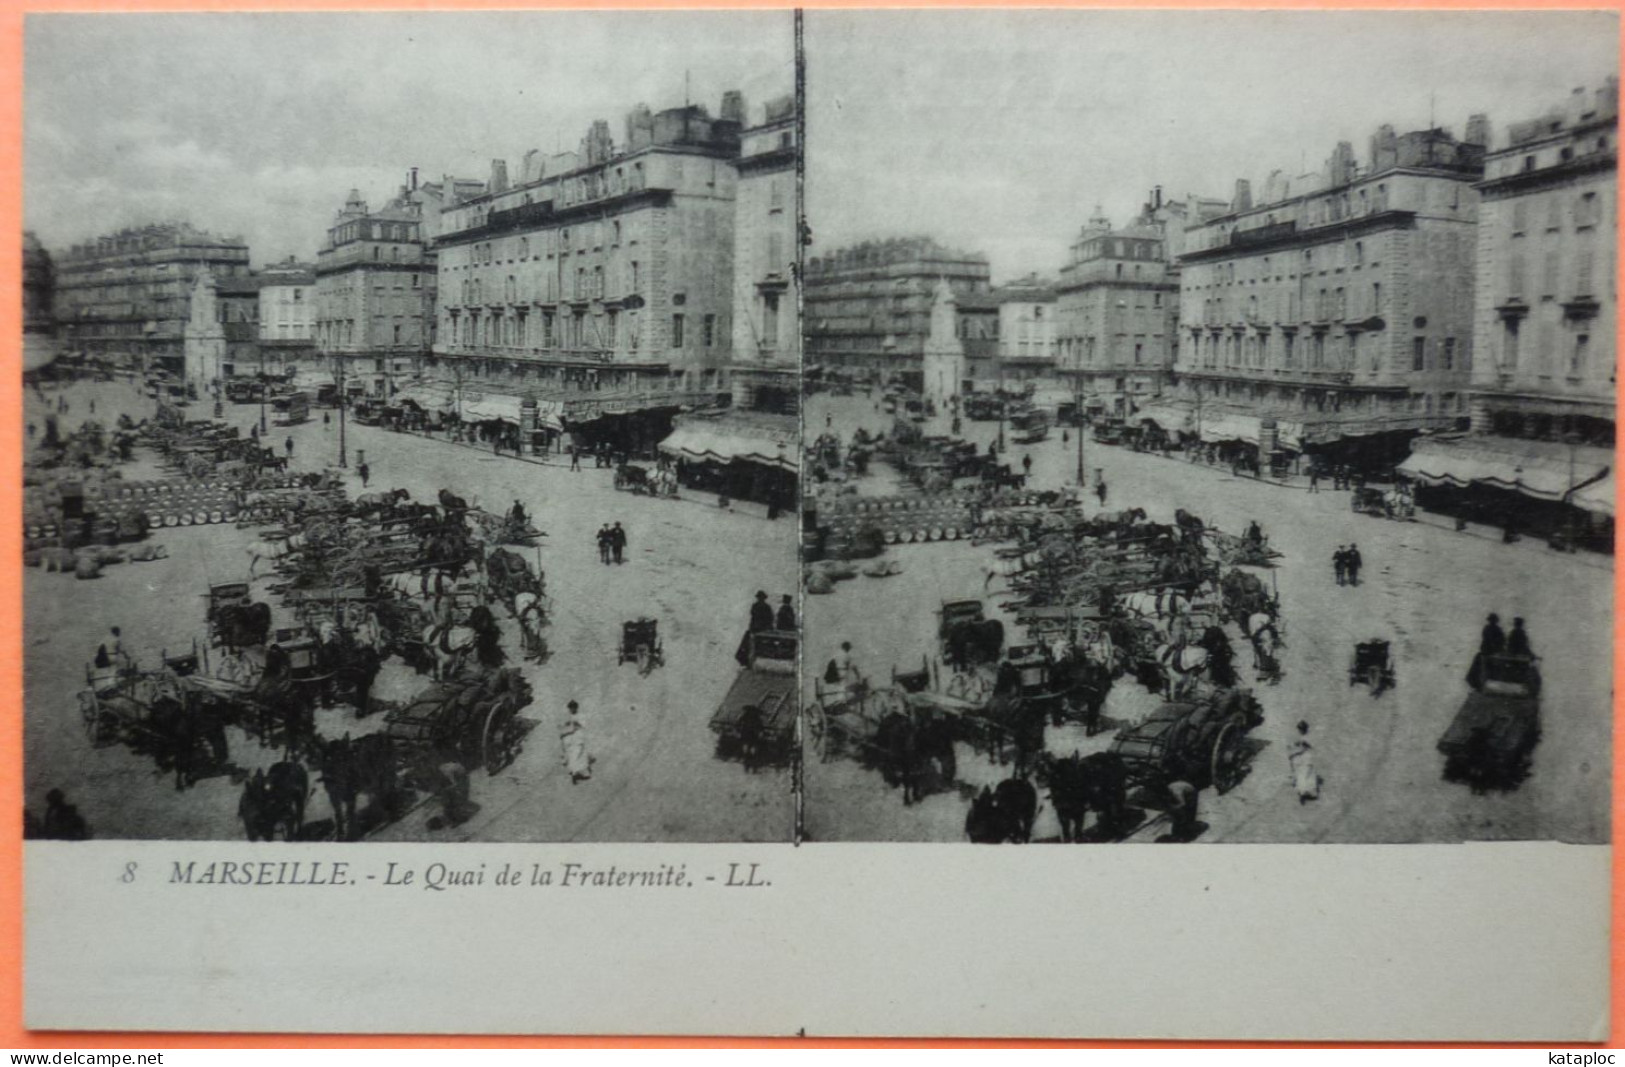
{"type": "Point", "coordinates": [721, 442]}
{"type": "Point", "coordinates": [1545, 470]}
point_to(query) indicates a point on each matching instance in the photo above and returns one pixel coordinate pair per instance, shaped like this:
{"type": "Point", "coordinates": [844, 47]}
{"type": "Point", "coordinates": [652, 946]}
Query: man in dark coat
{"type": "Point", "coordinates": [617, 542]}
{"type": "Point", "coordinates": [761, 618]}
{"type": "Point", "coordinates": [1493, 640]}
{"type": "Point", "coordinates": [603, 543]}
{"type": "Point", "coordinates": [786, 618]}
{"type": "Point", "coordinates": [1518, 640]}
{"type": "Point", "coordinates": [1354, 564]}
{"type": "Point", "coordinates": [1340, 563]}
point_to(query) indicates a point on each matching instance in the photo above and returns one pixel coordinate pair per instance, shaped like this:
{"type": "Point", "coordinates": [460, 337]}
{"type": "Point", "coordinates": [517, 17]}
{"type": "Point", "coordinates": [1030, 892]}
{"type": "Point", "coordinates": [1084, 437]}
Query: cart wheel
{"type": "Point", "coordinates": [1228, 763]}
{"type": "Point", "coordinates": [501, 738]}
{"type": "Point", "coordinates": [815, 727]}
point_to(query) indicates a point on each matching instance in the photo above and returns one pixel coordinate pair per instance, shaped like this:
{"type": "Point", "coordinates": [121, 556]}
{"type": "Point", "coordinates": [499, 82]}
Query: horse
{"type": "Point", "coordinates": [1017, 803]}
{"type": "Point", "coordinates": [275, 551]}
{"type": "Point", "coordinates": [453, 503]}
{"type": "Point", "coordinates": [1182, 664]}
{"type": "Point", "coordinates": [1079, 785]}
{"type": "Point", "coordinates": [368, 503]}
{"type": "Point", "coordinates": [530, 611]}
{"type": "Point", "coordinates": [1190, 527]}
{"type": "Point", "coordinates": [275, 801]}
{"type": "Point", "coordinates": [452, 645]}
{"type": "Point", "coordinates": [908, 748]}
{"type": "Point", "coordinates": [352, 769]}
{"type": "Point", "coordinates": [983, 823]}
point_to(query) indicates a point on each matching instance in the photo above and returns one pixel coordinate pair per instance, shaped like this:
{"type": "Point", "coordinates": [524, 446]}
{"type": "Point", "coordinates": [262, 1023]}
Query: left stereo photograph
{"type": "Point", "coordinates": [411, 427]}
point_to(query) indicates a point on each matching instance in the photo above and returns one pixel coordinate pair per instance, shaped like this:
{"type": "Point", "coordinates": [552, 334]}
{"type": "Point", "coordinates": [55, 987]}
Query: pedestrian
{"type": "Point", "coordinates": [617, 542]}
{"type": "Point", "coordinates": [761, 618]}
{"type": "Point", "coordinates": [1100, 491]}
{"type": "Point", "coordinates": [1340, 563]}
{"type": "Point", "coordinates": [253, 433]}
{"type": "Point", "coordinates": [1027, 465]}
{"type": "Point", "coordinates": [603, 543]}
{"type": "Point", "coordinates": [62, 820]}
{"type": "Point", "coordinates": [1518, 640]}
{"type": "Point", "coordinates": [829, 419]}
{"type": "Point", "coordinates": [1354, 564]}
{"type": "Point", "coordinates": [1301, 756]}
{"type": "Point", "coordinates": [573, 738]}
{"type": "Point", "coordinates": [1492, 640]}
{"type": "Point", "coordinates": [1314, 479]}
{"type": "Point", "coordinates": [575, 459]}
{"type": "Point", "coordinates": [93, 407]}
{"type": "Point", "coordinates": [327, 420]}
{"type": "Point", "coordinates": [288, 444]}
{"type": "Point", "coordinates": [1182, 806]}
{"type": "Point", "coordinates": [786, 619]}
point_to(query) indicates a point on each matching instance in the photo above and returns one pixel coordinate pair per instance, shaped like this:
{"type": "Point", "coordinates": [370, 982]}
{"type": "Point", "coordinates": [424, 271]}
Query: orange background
{"type": "Point", "coordinates": [12, 1032]}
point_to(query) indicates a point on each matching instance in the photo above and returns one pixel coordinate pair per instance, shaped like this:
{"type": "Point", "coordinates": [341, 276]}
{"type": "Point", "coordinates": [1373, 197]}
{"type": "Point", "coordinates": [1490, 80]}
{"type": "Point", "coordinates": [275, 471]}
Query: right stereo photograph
{"type": "Point", "coordinates": [1209, 426]}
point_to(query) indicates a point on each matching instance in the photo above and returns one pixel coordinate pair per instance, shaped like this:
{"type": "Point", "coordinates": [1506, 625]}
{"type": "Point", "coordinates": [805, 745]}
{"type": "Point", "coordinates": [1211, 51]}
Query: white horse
{"type": "Point", "coordinates": [450, 646]}
{"type": "Point", "coordinates": [531, 612]}
{"type": "Point", "coordinates": [1184, 666]}
{"type": "Point", "coordinates": [1267, 643]}
{"type": "Point", "coordinates": [275, 551]}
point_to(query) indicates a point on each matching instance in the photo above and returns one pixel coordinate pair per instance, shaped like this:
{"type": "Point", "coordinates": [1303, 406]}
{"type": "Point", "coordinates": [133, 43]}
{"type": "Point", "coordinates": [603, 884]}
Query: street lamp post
{"type": "Point", "coordinates": [1077, 420]}
{"type": "Point", "coordinates": [343, 401]}
{"type": "Point", "coordinates": [998, 356]}
{"type": "Point", "coordinates": [264, 427]}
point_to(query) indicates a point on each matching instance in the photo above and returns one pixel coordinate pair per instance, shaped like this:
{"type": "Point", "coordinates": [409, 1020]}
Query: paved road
{"type": "Point", "coordinates": [691, 565]}
{"type": "Point", "coordinates": [1426, 588]}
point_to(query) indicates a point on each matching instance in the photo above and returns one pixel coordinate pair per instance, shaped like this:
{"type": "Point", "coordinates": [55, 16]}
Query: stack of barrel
{"type": "Point", "coordinates": [125, 511]}
{"type": "Point", "coordinates": [901, 520]}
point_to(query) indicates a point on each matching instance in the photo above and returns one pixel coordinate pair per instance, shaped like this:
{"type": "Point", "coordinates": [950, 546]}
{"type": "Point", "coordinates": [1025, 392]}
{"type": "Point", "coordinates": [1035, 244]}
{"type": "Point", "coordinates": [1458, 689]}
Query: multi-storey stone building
{"type": "Point", "coordinates": [600, 286]}
{"type": "Point", "coordinates": [39, 296]}
{"type": "Point", "coordinates": [1543, 376]}
{"type": "Point", "coordinates": [1117, 306]}
{"type": "Point", "coordinates": [287, 318]}
{"type": "Point", "coordinates": [1027, 330]}
{"type": "Point", "coordinates": [1335, 316]}
{"type": "Point", "coordinates": [867, 309]}
{"type": "Point", "coordinates": [128, 294]}
{"type": "Point", "coordinates": [766, 333]}
{"type": "Point", "coordinates": [375, 293]}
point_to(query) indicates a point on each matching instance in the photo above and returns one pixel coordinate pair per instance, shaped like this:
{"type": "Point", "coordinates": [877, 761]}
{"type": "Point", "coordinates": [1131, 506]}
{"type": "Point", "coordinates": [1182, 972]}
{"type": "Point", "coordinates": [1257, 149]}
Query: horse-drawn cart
{"type": "Point", "coordinates": [1372, 665]}
{"type": "Point", "coordinates": [757, 718]}
{"type": "Point", "coordinates": [640, 644]}
{"type": "Point", "coordinates": [475, 718]}
{"type": "Point", "coordinates": [1202, 742]}
{"type": "Point", "coordinates": [1490, 741]}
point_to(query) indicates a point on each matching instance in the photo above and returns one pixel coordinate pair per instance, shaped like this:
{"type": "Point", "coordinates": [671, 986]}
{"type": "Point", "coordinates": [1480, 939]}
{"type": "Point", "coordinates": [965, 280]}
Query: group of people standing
{"type": "Point", "coordinates": [611, 544]}
{"type": "Point", "coordinates": [1346, 562]}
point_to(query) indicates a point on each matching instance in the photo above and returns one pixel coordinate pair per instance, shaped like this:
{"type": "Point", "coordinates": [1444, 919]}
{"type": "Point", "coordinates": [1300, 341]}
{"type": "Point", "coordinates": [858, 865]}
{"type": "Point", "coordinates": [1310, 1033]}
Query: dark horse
{"type": "Point", "coordinates": [350, 769]}
{"type": "Point", "coordinates": [1079, 785]}
{"type": "Point", "coordinates": [1004, 813]}
{"type": "Point", "coordinates": [275, 801]}
{"type": "Point", "coordinates": [909, 746]}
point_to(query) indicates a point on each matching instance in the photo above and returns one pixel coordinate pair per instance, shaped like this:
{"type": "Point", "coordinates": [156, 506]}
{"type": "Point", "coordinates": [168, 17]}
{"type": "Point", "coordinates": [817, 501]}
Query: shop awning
{"type": "Point", "coordinates": [427, 397]}
{"type": "Point", "coordinates": [491, 407]}
{"type": "Point", "coordinates": [1597, 497]}
{"type": "Point", "coordinates": [1546, 470]}
{"type": "Point", "coordinates": [1170, 418]}
{"type": "Point", "coordinates": [719, 442]}
{"type": "Point", "coordinates": [1215, 427]}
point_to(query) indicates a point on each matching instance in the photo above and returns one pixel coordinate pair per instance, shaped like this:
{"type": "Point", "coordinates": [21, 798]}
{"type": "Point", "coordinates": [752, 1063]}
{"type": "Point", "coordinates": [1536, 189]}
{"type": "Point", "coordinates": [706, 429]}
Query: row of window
{"type": "Point", "coordinates": [1318, 351]}
{"type": "Point", "coordinates": [1572, 355]}
{"type": "Point", "coordinates": [1549, 211]}
{"type": "Point", "coordinates": [548, 243]}
{"type": "Point", "coordinates": [1551, 280]}
{"type": "Point", "coordinates": [580, 330]}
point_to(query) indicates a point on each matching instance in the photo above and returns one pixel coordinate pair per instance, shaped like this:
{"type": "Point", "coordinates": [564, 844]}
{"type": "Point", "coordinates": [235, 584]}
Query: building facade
{"type": "Point", "coordinates": [1336, 316]}
{"type": "Point", "coordinates": [1028, 341]}
{"type": "Point", "coordinates": [1117, 309]}
{"type": "Point", "coordinates": [766, 334]}
{"type": "Point", "coordinates": [375, 296]}
{"type": "Point", "coordinates": [127, 295]}
{"type": "Point", "coordinates": [1542, 454]}
{"type": "Point", "coordinates": [39, 298]}
{"type": "Point", "coordinates": [867, 309]}
{"type": "Point", "coordinates": [287, 318]}
{"type": "Point", "coordinates": [1544, 323]}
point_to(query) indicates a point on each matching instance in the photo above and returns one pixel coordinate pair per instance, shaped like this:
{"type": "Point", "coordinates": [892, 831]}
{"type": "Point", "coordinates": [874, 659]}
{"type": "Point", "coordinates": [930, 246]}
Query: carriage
{"type": "Point", "coordinates": [1372, 665]}
{"type": "Point", "coordinates": [640, 644]}
{"type": "Point", "coordinates": [476, 718]}
{"type": "Point", "coordinates": [642, 480]}
{"type": "Point", "coordinates": [159, 713]}
{"type": "Point", "coordinates": [1203, 742]}
{"type": "Point", "coordinates": [1493, 736]}
{"type": "Point", "coordinates": [757, 716]}
{"type": "Point", "coordinates": [1368, 500]}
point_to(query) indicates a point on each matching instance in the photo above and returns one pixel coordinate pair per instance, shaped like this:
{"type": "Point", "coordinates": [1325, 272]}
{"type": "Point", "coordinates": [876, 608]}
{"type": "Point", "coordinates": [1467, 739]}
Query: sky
{"type": "Point", "coordinates": [999, 132]}
{"type": "Point", "coordinates": [260, 124]}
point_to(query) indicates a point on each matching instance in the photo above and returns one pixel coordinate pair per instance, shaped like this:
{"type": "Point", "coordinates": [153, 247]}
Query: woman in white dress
{"type": "Point", "coordinates": [573, 736]}
{"type": "Point", "coordinates": [1305, 776]}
